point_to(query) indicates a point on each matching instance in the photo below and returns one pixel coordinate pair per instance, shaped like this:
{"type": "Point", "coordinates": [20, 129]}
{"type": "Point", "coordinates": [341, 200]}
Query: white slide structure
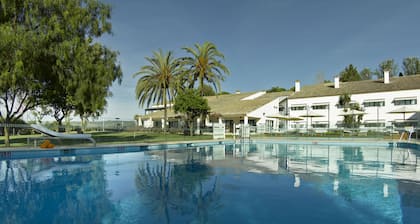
{"type": "Point", "coordinates": [59, 135]}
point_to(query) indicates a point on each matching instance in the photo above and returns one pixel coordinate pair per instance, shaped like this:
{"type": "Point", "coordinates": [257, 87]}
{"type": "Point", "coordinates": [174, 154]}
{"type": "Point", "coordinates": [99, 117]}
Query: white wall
{"type": "Point", "coordinates": [270, 108]}
{"type": "Point", "coordinates": [373, 113]}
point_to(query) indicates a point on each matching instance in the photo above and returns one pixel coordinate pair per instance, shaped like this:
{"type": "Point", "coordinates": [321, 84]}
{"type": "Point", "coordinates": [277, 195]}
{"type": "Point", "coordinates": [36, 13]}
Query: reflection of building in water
{"type": "Point", "coordinates": [360, 178]}
{"type": "Point", "coordinates": [393, 163]}
{"type": "Point", "coordinates": [367, 161]}
{"type": "Point", "coordinates": [371, 176]}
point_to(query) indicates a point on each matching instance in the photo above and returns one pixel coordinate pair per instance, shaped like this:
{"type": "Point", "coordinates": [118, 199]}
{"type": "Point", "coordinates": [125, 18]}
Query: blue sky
{"type": "Point", "coordinates": [266, 43]}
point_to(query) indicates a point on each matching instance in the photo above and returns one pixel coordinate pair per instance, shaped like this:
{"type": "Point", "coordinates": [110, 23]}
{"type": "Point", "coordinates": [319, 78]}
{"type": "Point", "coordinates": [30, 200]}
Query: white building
{"type": "Point", "coordinates": [390, 102]}
{"type": "Point", "coordinates": [385, 104]}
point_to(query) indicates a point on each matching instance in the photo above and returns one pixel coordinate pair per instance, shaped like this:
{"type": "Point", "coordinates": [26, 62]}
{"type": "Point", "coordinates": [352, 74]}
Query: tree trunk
{"type": "Point", "coordinates": [191, 128]}
{"type": "Point", "coordinates": [6, 137]}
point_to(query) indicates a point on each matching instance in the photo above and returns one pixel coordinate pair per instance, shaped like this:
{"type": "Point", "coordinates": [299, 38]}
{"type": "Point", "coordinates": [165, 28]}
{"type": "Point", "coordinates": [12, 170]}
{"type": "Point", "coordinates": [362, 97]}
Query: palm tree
{"type": "Point", "coordinates": [205, 65]}
{"type": "Point", "coordinates": [159, 81]}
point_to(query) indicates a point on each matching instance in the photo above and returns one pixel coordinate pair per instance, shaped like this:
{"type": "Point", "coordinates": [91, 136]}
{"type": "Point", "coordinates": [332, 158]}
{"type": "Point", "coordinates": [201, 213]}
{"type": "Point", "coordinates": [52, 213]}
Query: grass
{"type": "Point", "coordinates": [139, 137]}
{"type": "Point", "coordinates": [107, 138]}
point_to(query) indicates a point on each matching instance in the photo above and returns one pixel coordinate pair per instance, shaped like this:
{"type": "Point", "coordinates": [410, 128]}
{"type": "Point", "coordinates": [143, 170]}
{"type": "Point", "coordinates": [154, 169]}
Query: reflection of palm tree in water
{"type": "Point", "coordinates": [153, 183]}
{"type": "Point", "coordinates": [179, 189]}
{"type": "Point", "coordinates": [204, 203]}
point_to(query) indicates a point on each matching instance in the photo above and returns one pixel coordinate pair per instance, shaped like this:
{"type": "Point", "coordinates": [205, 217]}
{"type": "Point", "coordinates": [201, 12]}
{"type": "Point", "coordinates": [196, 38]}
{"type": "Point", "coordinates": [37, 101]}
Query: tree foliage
{"type": "Point", "coordinates": [387, 65]}
{"type": "Point", "coordinates": [366, 74]}
{"type": "Point", "coordinates": [276, 89]}
{"type": "Point", "coordinates": [159, 81]}
{"type": "Point", "coordinates": [349, 74]}
{"type": "Point", "coordinates": [208, 91]}
{"type": "Point", "coordinates": [48, 55]}
{"type": "Point", "coordinates": [190, 103]}
{"type": "Point", "coordinates": [411, 66]}
{"type": "Point", "coordinates": [351, 120]}
{"type": "Point", "coordinates": [205, 65]}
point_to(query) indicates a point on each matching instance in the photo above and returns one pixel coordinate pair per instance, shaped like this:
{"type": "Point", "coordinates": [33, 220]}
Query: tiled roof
{"type": "Point", "coordinates": [231, 104]}
{"type": "Point", "coordinates": [358, 87]}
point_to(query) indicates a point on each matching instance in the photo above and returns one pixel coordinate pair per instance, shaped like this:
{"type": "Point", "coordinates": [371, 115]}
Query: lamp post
{"type": "Point", "coordinates": [117, 124]}
{"type": "Point", "coordinates": [377, 117]}
{"type": "Point", "coordinates": [307, 115]}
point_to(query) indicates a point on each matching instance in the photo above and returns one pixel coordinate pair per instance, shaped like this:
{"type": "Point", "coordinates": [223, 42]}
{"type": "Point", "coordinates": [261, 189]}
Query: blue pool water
{"type": "Point", "coordinates": [223, 183]}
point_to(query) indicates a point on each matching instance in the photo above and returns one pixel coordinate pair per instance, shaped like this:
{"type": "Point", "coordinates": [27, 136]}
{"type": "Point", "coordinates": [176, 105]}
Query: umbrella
{"type": "Point", "coordinates": [403, 110]}
{"type": "Point", "coordinates": [285, 117]}
{"type": "Point", "coordinates": [310, 114]}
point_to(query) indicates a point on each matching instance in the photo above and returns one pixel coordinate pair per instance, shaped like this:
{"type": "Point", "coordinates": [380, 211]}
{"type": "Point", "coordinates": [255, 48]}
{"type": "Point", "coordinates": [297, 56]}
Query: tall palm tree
{"type": "Point", "coordinates": [158, 81]}
{"type": "Point", "coordinates": [205, 64]}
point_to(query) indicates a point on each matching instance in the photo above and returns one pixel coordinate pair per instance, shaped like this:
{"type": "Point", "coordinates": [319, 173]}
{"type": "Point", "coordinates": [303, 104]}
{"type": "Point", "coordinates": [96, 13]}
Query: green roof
{"type": "Point", "coordinates": [357, 87]}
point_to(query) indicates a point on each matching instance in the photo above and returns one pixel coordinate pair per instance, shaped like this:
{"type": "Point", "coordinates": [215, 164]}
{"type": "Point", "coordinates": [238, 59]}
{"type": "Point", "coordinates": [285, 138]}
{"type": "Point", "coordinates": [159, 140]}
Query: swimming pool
{"type": "Point", "coordinates": [264, 182]}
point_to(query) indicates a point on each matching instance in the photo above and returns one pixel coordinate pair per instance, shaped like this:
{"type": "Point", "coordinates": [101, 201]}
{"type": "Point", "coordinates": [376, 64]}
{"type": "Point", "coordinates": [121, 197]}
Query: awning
{"type": "Point", "coordinates": [285, 117]}
{"type": "Point", "coordinates": [321, 104]}
{"type": "Point", "coordinates": [374, 121]}
{"type": "Point", "coordinates": [375, 100]}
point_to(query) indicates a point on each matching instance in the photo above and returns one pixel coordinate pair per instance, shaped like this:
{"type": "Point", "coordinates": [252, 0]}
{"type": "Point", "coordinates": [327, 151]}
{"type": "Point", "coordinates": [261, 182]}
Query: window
{"type": "Point", "coordinates": [320, 125]}
{"type": "Point", "coordinates": [406, 101]}
{"type": "Point", "coordinates": [281, 108]}
{"type": "Point", "coordinates": [320, 107]}
{"type": "Point", "coordinates": [374, 124]}
{"type": "Point", "coordinates": [380, 103]}
{"type": "Point", "coordinates": [297, 108]}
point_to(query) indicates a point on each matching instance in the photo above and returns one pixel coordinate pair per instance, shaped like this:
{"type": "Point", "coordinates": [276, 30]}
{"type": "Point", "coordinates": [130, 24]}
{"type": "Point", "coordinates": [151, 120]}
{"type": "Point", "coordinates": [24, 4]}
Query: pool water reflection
{"type": "Point", "coordinates": [242, 183]}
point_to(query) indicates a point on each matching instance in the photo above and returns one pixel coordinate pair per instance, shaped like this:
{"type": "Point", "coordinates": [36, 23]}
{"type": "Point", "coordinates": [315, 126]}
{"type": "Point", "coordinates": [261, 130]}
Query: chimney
{"type": "Point", "coordinates": [386, 77]}
{"type": "Point", "coordinates": [297, 86]}
{"type": "Point", "coordinates": [336, 82]}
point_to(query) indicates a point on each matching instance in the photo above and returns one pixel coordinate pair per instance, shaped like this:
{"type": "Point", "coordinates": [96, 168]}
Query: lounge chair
{"type": "Point", "coordinates": [56, 135]}
{"type": "Point", "coordinates": [406, 133]}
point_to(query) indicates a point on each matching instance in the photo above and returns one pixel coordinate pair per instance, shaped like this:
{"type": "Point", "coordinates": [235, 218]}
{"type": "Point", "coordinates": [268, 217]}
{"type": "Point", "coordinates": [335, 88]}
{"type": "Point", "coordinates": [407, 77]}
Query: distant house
{"type": "Point", "coordinates": [239, 108]}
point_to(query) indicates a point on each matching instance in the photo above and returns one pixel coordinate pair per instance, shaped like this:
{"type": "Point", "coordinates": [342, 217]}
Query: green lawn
{"type": "Point", "coordinates": [107, 138]}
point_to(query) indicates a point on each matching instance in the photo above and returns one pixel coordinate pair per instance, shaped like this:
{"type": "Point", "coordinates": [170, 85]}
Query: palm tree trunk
{"type": "Point", "coordinates": [202, 85]}
{"type": "Point", "coordinates": [165, 111]}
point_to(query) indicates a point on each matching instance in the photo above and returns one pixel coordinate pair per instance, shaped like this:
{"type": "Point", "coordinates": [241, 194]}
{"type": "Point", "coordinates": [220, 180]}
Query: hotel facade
{"type": "Point", "coordinates": [386, 104]}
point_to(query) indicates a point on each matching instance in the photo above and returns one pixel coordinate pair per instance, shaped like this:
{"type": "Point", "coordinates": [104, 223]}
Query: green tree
{"type": "Point", "coordinates": [205, 64]}
{"type": "Point", "coordinates": [387, 65]}
{"type": "Point", "coordinates": [159, 80]}
{"type": "Point", "coordinates": [21, 83]}
{"type": "Point", "coordinates": [208, 91]}
{"type": "Point", "coordinates": [190, 103]}
{"type": "Point", "coordinates": [95, 71]}
{"type": "Point", "coordinates": [275, 89]}
{"type": "Point", "coordinates": [344, 100]}
{"type": "Point", "coordinates": [366, 74]}
{"type": "Point", "coordinates": [350, 120]}
{"type": "Point", "coordinates": [349, 74]}
{"type": "Point", "coordinates": [40, 43]}
{"type": "Point", "coordinates": [411, 66]}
